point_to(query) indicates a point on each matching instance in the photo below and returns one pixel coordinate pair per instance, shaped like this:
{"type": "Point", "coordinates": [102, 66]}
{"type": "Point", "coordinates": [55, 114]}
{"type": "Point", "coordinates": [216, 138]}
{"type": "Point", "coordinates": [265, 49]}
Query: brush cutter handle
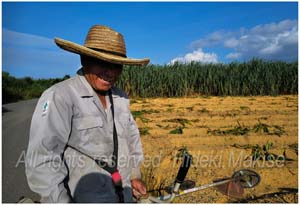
{"type": "Point", "coordinates": [184, 168]}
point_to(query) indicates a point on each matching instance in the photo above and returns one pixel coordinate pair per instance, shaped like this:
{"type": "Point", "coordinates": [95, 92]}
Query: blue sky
{"type": "Point", "coordinates": [163, 31]}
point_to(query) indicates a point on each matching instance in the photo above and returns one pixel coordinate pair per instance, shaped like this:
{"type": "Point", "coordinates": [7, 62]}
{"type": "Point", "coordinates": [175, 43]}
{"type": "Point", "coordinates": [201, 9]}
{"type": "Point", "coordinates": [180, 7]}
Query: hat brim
{"type": "Point", "coordinates": [82, 50]}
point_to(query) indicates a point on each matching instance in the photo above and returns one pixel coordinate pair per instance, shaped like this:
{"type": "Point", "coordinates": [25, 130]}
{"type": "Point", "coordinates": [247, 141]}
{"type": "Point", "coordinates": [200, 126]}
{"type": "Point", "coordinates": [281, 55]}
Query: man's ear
{"type": "Point", "coordinates": [83, 60]}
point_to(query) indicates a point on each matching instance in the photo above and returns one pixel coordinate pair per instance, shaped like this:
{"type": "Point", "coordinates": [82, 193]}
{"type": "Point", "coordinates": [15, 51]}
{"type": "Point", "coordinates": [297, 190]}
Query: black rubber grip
{"type": "Point", "coordinates": [184, 168]}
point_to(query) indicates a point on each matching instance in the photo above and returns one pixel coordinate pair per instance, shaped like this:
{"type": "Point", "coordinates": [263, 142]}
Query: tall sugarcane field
{"type": "Point", "coordinates": [256, 77]}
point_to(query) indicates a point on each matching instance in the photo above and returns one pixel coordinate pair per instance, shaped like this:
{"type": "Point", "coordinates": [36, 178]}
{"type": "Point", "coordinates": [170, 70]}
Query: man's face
{"type": "Point", "coordinates": [102, 75]}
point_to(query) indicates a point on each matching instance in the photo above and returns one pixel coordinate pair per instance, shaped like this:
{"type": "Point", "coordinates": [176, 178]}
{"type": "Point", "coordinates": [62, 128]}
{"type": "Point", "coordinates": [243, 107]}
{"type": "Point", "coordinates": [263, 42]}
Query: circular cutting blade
{"type": "Point", "coordinates": [247, 178]}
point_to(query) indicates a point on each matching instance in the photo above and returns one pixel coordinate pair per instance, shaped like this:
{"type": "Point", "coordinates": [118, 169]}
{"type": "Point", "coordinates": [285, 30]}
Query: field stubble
{"type": "Point", "coordinates": [221, 133]}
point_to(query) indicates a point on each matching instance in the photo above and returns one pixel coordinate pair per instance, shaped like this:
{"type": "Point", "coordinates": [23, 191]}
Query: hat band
{"type": "Point", "coordinates": [109, 52]}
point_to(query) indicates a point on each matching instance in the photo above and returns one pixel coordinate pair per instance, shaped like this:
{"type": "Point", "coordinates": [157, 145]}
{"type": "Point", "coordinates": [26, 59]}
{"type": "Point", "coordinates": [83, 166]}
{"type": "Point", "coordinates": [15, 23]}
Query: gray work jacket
{"type": "Point", "coordinates": [68, 125]}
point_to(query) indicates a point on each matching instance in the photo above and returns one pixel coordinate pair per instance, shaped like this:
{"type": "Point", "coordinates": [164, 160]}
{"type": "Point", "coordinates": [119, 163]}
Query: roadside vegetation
{"type": "Point", "coordinates": [17, 89]}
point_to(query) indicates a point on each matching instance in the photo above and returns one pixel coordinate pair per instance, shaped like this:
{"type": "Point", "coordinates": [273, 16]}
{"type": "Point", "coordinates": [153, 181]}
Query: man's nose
{"type": "Point", "coordinates": [112, 72]}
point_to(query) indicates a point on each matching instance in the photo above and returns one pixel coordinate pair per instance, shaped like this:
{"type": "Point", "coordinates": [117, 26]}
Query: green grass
{"type": "Point", "coordinates": [244, 108]}
{"type": "Point", "coordinates": [144, 131]}
{"type": "Point", "coordinates": [204, 110]}
{"type": "Point", "coordinates": [178, 130]}
{"type": "Point", "coordinates": [268, 129]}
{"type": "Point", "coordinates": [140, 113]}
{"type": "Point", "coordinates": [239, 129]}
{"type": "Point", "coordinates": [182, 121]}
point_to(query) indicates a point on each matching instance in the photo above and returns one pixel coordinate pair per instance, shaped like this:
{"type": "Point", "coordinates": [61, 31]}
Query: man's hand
{"type": "Point", "coordinates": [138, 188]}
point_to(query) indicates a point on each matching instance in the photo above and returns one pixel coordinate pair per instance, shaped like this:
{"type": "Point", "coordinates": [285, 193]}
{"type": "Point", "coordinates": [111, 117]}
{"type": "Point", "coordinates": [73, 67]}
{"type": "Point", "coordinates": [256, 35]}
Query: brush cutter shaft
{"type": "Point", "coordinates": [205, 186]}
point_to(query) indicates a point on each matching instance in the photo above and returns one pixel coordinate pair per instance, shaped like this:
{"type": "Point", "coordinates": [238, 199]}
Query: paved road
{"type": "Point", "coordinates": [16, 118]}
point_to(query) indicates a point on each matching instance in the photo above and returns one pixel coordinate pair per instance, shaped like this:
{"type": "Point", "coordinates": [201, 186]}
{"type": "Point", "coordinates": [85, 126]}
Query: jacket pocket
{"type": "Point", "coordinates": [89, 129]}
{"type": "Point", "coordinates": [122, 123]}
{"type": "Point", "coordinates": [88, 122]}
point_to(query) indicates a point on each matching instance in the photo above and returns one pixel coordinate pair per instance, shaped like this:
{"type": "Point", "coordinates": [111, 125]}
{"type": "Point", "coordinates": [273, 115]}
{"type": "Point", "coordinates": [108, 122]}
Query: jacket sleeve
{"type": "Point", "coordinates": [49, 133]}
{"type": "Point", "coordinates": [135, 149]}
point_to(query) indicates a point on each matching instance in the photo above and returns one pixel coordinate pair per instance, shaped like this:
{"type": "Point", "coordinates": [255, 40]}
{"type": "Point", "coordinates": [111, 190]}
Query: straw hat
{"type": "Point", "coordinates": [102, 43]}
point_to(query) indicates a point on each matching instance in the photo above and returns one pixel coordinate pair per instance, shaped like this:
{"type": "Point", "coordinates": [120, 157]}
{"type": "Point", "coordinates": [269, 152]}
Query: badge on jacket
{"type": "Point", "coordinates": [45, 108]}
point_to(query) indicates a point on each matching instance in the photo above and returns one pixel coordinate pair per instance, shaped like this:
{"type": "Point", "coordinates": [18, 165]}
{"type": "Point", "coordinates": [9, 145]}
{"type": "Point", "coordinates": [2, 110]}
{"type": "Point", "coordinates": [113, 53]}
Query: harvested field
{"type": "Point", "coordinates": [224, 134]}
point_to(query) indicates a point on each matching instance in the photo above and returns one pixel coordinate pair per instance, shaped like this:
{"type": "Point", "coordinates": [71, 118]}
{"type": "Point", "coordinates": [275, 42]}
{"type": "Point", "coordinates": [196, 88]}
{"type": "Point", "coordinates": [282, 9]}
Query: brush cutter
{"type": "Point", "coordinates": [232, 186]}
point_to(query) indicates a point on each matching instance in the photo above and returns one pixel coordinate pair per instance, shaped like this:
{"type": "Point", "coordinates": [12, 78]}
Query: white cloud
{"type": "Point", "coordinates": [13, 38]}
{"type": "Point", "coordinates": [231, 43]}
{"type": "Point", "coordinates": [36, 56]}
{"type": "Point", "coordinates": [211, 40]}
{"type": "Point", "coordinates": [233, 56]}
{"type": "Point", "coordinates": [198, 56]}
{"type": "Point", "coordinates": [274, 41]}
{"type": "Point", "coordinates": [273, 28]}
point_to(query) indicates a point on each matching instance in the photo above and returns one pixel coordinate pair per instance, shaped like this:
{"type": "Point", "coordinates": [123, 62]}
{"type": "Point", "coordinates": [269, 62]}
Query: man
{"type": "Point", "coordinates": [84, 144]}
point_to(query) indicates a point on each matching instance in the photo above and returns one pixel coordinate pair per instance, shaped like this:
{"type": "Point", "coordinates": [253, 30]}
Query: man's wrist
{"type": "Point", "coordinates": [135, 173]}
